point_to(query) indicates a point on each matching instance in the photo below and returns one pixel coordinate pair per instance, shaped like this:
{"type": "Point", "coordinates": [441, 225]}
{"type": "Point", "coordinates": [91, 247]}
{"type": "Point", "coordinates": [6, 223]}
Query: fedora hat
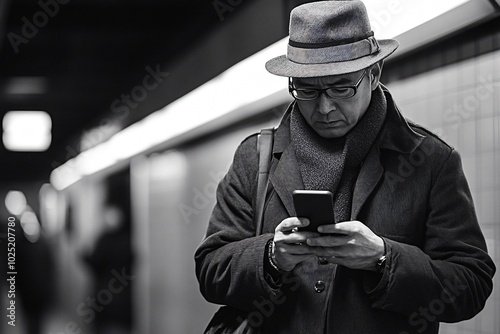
{"type": "Point", "coordinates": [330, 38]}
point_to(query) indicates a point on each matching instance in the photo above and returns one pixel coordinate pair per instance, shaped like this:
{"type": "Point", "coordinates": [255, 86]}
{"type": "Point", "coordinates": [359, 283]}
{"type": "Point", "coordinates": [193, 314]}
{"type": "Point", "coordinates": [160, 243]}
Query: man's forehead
{"type": "Point", "coordinates": [343, 79]}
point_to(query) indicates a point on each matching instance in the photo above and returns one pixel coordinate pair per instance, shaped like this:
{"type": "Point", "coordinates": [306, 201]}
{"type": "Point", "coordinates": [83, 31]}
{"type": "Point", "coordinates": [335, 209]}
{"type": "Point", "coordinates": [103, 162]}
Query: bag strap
{"type": "Point", "coordinates": [265, 141]}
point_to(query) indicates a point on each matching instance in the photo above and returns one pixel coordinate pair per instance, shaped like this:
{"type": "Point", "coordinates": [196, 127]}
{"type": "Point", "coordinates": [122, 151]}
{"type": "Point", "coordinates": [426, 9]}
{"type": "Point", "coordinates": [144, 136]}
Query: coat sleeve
{"type": "Point", "coordinates": [449, 278]}
{"type": "Point", "coordinates": [229, 261]}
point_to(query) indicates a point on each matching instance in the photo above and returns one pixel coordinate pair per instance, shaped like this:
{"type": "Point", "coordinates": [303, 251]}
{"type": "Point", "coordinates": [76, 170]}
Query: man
{"type": "Point", "coordinates": [404, 250]}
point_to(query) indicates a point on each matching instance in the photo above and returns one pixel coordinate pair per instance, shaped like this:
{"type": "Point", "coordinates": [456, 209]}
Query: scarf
{"type": "Point", "coordinates": [334, 164]}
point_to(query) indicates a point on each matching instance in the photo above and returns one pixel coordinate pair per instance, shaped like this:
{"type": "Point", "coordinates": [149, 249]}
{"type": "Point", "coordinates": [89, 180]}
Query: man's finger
{"type": "Point", "coordinates": [294, 249]}
{"type": "Point", "coordinates": [328, 240]}
{"type": "Point", "coordinates": [331, 252]}
{"type": "Point", "coordinates": [347, 227]}
{"type": "Point", "coordinates": [296, 237]}
{"type": "Point", "coordinates": [290, 223]}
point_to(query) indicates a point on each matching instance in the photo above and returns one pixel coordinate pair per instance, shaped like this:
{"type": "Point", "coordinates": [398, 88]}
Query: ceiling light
{"type": "Point", "coordinates": [15, 202]}
{"type": "Point", "coordinates": [30, 225]}
{"type": "Point", "coordinates": [27, 130]}
{"type": "Point", "coordinates": [26, 85]}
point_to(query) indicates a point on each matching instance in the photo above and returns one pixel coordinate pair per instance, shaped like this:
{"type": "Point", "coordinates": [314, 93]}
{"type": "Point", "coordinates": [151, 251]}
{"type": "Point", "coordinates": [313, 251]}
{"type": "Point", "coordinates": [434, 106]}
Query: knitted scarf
{"type": "Point", "coordinates": [334, 164]}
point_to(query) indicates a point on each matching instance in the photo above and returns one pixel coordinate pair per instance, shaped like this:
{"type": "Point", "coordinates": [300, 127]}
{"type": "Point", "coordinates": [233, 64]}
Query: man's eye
{"type": "Point", "coordinates": [340, 91]}
{"type": "Point", "coordinates": [307, 92]}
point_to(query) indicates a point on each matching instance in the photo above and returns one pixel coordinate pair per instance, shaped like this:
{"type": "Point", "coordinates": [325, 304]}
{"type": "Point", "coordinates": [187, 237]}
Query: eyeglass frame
{"type": "Point", "coordinates": [355, 87]}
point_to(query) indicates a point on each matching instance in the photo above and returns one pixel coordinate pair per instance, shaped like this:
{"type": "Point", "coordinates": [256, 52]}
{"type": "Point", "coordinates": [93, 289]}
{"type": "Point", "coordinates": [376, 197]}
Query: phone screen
{"type": "Point", "coordinates": [316, 205]}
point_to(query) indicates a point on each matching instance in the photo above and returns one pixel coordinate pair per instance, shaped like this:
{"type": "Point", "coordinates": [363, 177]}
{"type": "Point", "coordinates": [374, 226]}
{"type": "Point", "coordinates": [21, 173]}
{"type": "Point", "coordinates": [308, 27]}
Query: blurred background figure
{"type": "Point", "coordinates": [111, 255]}
{"type": "Point", "coordinates": [36, 272]}
{"type": "Point", "coordinates": [34, 264]}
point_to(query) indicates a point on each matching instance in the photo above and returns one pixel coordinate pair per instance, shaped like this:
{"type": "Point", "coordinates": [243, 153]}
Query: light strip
{"type": "Point", "coordinates": [237, 87]}
{"type": "Point", "coordinates": [390, 18]}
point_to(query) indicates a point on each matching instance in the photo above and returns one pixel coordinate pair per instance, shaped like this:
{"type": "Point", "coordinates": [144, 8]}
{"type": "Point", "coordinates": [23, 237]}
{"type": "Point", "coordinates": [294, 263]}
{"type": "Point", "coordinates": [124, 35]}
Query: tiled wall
{"type": "Point", "coordinates": [461, 103]}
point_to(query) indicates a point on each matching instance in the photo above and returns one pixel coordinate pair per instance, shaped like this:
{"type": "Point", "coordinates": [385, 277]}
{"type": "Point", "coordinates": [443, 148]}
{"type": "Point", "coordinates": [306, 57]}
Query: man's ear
{"type": "Point", "coordinates": [375, 73]}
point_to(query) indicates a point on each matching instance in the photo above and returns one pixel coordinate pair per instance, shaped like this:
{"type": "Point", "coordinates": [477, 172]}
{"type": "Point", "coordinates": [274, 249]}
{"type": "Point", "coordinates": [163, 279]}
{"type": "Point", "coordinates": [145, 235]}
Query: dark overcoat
{"type": "Point", "coordinates": [411, 190]}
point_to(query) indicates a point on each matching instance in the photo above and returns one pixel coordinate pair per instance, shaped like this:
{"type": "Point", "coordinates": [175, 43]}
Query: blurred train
{"type": "Point", "coordinates": [153, 203]}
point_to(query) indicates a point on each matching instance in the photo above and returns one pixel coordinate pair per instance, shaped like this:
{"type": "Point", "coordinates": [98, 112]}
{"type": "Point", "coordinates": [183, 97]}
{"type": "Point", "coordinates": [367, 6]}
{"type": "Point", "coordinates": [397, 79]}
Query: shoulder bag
{"type": "Point", "coordinates": [228, 320]}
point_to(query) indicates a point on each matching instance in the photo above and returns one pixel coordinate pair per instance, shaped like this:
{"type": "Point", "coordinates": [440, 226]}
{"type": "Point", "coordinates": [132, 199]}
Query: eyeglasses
{"type": "Point", "coordinates": [335, 92]}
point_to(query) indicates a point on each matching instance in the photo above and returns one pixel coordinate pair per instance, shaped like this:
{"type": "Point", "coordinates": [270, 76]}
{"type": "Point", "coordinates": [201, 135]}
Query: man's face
{"type": "Point", "coordinates": [331, 117]}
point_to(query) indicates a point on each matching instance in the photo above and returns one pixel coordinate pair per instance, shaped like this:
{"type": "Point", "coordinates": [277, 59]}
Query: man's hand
{"type": "Point", "coordinates": [290, 246]}
{"type": "Point", "coordinates": [351, 244]}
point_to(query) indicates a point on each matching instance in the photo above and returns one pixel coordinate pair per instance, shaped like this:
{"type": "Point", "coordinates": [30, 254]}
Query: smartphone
{"type": "Point", "coordinates": [317, 205]}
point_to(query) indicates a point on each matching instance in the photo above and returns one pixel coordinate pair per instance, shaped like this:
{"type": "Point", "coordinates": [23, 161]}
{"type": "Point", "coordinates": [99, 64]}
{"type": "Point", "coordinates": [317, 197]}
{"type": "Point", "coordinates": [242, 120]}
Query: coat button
{"type": "Point", "coordinates": [322, 260]}
{"type": "Point", "coordinates": [319, 286]}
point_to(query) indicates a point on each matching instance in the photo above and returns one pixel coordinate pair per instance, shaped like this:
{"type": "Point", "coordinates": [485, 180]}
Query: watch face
{"type": "Point", "coordinates": [381, 264]}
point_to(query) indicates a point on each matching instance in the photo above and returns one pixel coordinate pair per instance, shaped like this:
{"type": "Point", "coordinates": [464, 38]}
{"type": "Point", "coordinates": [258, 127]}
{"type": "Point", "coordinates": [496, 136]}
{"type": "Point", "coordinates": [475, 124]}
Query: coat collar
{"type": "Point", "coordinates": [395, 135]}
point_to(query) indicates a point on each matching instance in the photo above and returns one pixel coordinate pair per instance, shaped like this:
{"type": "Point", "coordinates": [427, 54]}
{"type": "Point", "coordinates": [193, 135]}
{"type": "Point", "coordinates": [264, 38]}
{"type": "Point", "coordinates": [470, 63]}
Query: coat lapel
{"type": "Point", "coordinates": [369, 176]}
{"type": "Point", "coordinates": [287, 178]}
{"type": "Point", "coordinates": [285, 174]}
{"type": "Point", "coordinates": [396, 135]}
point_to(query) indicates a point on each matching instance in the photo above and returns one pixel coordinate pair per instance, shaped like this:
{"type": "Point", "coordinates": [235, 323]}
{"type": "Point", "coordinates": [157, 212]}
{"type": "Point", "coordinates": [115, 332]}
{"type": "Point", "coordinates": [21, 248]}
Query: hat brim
{"type": "Point", "coordinates": [284, 67]}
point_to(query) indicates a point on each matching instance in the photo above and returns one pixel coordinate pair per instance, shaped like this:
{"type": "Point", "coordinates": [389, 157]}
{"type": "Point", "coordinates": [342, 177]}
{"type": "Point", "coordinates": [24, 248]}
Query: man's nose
{"type": "Point", "coordinates": [326, 104]}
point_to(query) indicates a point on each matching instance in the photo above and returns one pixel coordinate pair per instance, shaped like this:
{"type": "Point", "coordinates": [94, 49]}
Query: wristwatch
{"type": "Point", "coordinates": [380, 265]}
{"type": "Point", "coordinates": [272, 272]}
